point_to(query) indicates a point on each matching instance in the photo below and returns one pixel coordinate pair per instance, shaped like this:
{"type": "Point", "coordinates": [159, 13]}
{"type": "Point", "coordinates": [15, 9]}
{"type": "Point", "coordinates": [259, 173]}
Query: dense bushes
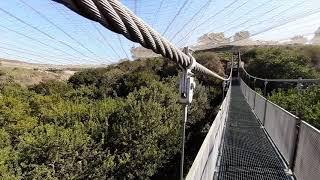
{"type": "Point", "coordinates": [51, 87]}
{"type": "Point", "coordinates": [120, 122]}
{"type": "Point", "coordinates": [212, 61]}
{"type": "Point", "coordinates": [288, 63]}
{"type": "Point", "coordinates": [147, 129]}
{"type": "Point", "coordinates": [277, 63]}
{"type": "Point", "coordinates": [124, 121]}
{"type": "Point", "coordinates": [304, 103]}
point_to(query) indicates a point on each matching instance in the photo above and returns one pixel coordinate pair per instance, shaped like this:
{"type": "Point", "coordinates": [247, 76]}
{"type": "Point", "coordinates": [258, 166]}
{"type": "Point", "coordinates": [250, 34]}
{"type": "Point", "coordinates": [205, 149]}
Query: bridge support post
{"type": "Point", "coordinates": [255, 94]}
{"type": "Point", "coordinates": [299, 84]}
{"type": "Point", "coordinates": [265, 88]}
{"type": "Point", "coordinates": [223, 89]}
{"type": "Point", "coordinates": [239, 61]}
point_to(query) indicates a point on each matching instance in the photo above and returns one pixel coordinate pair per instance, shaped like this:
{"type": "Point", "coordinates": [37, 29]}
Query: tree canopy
{"type": "Point", "coordinates": [119, 122]}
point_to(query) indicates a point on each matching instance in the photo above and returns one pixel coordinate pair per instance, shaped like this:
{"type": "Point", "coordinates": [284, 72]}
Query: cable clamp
{"type": "Point", "coordinates": [187, 82]}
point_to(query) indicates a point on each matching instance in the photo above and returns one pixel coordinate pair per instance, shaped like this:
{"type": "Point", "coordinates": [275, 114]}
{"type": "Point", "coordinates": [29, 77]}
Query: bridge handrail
{"type": "Point", "coordinates": [205, 162]}
{"type": "Point", "coordinates": [297, 141]}
{"type": "Point", "coordinates": [281, 80]}
{"type": "Point", "coordinates": [307, 160]}
{"type": "Point", "coordinates": [275, 120]}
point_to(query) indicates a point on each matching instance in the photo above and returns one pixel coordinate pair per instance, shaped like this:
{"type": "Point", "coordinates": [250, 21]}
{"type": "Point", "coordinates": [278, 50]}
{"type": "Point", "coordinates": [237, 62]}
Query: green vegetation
{"type": "Point", "coordinates": [124, 121]}
{"type": "Point", "coordinates": [305, 103]}
{"type": "Point", "coordinates": [289, 62]}
{"type": "Point", "coordinates": [119, 122]}
{"type": "Point", "coordinates": [280, 63]}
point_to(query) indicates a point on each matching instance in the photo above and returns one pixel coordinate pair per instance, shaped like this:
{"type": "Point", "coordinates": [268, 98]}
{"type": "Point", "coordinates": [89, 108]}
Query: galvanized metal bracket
{"type": "Point", "coordinates": [187, 82]}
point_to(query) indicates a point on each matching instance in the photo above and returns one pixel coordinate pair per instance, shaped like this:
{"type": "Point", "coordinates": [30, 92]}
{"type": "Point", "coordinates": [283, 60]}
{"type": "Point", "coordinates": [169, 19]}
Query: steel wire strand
{"type": "Point", "coordinates": [110, 13]}
{"type": "Point", "coordinates": [117, 18]}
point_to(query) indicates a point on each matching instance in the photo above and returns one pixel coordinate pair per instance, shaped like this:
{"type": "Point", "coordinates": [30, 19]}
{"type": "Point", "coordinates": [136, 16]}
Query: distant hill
{"type": "Point", "coordinates": [27, 74]}
{"type": "Point", "coordinates": [27, 65]}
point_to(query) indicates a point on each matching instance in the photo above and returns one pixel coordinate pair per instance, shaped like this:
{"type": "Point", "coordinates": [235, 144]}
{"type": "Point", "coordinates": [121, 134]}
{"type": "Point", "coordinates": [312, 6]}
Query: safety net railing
{"type": "Point", "coordinates": [204, 165]}
{"type": "Point", "coordinates": [296, 140]}
{"type": "Point", "coordinates": [253, 81]}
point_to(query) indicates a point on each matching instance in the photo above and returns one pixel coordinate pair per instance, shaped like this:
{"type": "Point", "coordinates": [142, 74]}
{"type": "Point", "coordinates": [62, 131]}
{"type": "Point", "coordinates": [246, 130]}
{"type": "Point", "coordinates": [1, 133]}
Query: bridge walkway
{"type": "Point", "coordinates": [247, 153]}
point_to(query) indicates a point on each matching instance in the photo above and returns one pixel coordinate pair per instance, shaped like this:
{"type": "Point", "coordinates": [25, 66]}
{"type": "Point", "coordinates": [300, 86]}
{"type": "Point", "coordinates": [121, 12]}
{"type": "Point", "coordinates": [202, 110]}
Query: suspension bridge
{"type": "Point", "coordinates": [251, 137]}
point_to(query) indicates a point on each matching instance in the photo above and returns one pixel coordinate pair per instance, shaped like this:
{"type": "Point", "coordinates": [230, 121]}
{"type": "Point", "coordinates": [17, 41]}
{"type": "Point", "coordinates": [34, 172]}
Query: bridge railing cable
{"type": "Point", "coordinates": [119, 19]}
{"type": "Point", "coordinates": [281, 80]}
{"type": "Point", "coordinates": [298, 81]}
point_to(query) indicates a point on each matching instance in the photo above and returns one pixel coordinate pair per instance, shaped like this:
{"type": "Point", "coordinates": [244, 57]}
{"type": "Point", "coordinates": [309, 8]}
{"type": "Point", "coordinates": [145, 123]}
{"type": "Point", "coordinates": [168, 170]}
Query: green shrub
{"type": "Point", "coordinates": [213, 62]}
{"type": "Point", "coordinates": [279, 63]}
{"type": "Point", "coordinates": [305, 103]}
{"type": "Point", "coordinates": [135, 81]}
{"type": "Point", "coordinates": [146, 131]}
{"type": "Point", "coordinates": [119, 122]}
{"type": "Point", "coordinates": [51, 87]}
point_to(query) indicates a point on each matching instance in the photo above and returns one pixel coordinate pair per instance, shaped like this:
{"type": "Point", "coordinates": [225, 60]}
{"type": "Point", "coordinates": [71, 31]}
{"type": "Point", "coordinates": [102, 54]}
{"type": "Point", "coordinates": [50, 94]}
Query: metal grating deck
{"type": "Point", "coordinates": [247, 154]}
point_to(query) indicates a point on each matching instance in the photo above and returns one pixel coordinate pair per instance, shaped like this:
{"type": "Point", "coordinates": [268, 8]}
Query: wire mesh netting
{"type": "Point", "coordinates": [281, 126]}
{"type": "Point", "coordinates": [247, 152]}
{"type": "Point", "coordinates": [307, 164]}
{"type": "Point", "coordinates": [279, 123]}
{"type": "Point", "coordinates": [251, 98]}
{"type": "Point", "coordinates": [259, 108]}
{"type": "Point", "coordinates": [206, 159]}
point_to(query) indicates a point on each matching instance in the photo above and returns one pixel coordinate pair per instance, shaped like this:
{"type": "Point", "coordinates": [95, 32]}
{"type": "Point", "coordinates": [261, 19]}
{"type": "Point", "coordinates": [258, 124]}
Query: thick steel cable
{"type": "Point", "coordinates": [90, 36]}
{"type": "Point", "coordinates": [84, 31]}
{"type": "Point", "coordinates": [118, 18]}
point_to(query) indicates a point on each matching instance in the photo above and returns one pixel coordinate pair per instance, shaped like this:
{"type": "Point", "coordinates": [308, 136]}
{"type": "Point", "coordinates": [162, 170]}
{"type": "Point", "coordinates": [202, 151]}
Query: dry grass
{"type": "Point", "coordinates": [27, 77]}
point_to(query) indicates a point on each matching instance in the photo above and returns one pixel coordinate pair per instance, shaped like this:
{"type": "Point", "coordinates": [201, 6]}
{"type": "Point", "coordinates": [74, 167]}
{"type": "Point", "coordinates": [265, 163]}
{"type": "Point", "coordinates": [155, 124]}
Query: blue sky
{"type": "Point", "coordinates": [47, 32]}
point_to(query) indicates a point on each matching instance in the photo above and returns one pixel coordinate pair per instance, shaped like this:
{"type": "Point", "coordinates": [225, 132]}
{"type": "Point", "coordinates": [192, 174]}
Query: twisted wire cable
{"type": "Point", "coordinates": [119, 19]}
{"type": "Point", "coordinates": [280, 80]}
